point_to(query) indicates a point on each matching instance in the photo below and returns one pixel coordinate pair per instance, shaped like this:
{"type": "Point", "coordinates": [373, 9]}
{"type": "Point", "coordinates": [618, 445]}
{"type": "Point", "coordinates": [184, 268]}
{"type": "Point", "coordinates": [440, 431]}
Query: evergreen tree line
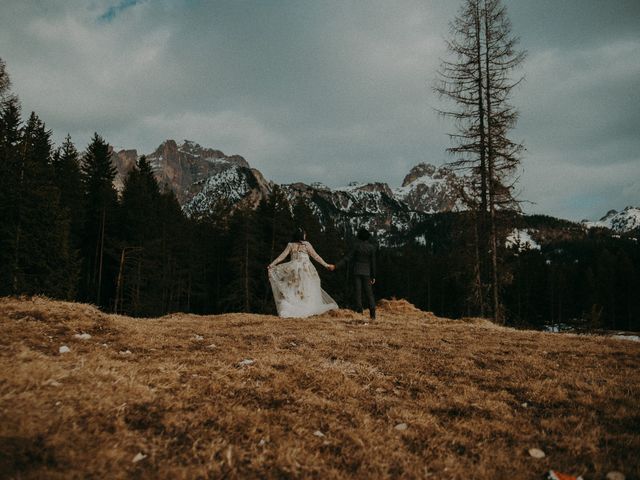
{"type": "Point", "coordinates": [65, 232]}
{"type": "Point", "coordinates": [585, 280]}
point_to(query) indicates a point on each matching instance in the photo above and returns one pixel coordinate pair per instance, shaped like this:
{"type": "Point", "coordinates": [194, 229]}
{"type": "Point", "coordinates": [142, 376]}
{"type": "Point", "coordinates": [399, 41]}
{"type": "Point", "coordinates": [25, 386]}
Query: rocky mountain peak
{"type": "Point", "coordinates": [123, 160]}
{"type": "Point", "coordinates": [205, 179]}
{"type": "Point", "coordinates": [609, 214]}
{"type": "Point", "coordinates": [375, 187]}
{"type": "Point", "coordinates": [424, 170]}
{"type": "Point", "coordinates": [627, 220]}
{"type": "Point", "coordinates": [169, 144]}
{"type": "Point", "coordinates": [429, 189]}
{"type": "Point", "coordinates": [180, 167]}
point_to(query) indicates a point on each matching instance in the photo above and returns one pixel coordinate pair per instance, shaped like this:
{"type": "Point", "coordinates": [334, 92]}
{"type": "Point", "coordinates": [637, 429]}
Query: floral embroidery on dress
{"type": "Point", "coordinates": [296, 284]}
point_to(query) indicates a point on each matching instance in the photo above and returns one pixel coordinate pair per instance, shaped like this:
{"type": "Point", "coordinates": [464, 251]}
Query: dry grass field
{"type": "Point", "coordinates": [251, 396]}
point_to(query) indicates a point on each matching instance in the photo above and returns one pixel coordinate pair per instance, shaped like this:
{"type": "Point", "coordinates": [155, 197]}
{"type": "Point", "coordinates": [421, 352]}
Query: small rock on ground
{"type": "Point", "coordinates": [536, 453]}
{"type": "Point", "coordinates": [615, 475]}
{"type": "Point", "coordinates": [139, 456]}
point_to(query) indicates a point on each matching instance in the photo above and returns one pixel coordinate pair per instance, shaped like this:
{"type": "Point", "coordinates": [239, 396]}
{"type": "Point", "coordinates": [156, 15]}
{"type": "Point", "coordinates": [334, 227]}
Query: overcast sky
{"type": "Point", "coordinates": [333, 91]}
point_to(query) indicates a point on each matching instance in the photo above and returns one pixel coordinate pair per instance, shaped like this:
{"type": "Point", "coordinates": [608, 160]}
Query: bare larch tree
{"type": "Point", "coordinates": [478, 79]}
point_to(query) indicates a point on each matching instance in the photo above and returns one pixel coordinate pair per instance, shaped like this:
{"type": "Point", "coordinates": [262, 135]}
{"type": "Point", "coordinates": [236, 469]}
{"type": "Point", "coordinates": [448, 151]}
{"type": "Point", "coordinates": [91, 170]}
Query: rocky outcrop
{"type": "Point", "coordinates": [124, 160]}
{"type": "Point", "coordinates": [430, 189]}
{"type": "Point", "coordinates": [233, 187]}
{"type": "Point", "coordinates": [205, 179]}
{"type": "Point", "coordinates": [181, 168]}
{"type": "Point", "coordinates": [626, 221]}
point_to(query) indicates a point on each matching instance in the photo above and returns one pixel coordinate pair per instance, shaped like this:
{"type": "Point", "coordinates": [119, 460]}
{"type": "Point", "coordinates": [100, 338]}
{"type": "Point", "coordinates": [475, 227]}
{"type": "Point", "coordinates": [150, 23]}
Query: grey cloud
{"type": "Point", "coordinates": [332, 90]}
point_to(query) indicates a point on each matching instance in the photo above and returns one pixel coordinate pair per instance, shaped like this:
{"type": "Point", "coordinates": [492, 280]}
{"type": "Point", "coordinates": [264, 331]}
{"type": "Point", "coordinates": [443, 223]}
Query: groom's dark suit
{"type": "Point", "coordinates": [362, 257]}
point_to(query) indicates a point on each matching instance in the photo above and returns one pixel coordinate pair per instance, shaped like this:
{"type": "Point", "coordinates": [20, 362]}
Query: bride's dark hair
{"type": "Point", "coordinates": [298, 235]}
{"type": "Point", "coordinates": [363, 235]}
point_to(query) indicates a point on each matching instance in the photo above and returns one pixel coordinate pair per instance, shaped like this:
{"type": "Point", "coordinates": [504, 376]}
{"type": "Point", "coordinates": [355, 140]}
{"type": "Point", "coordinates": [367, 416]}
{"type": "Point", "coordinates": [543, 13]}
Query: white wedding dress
{"type": "Point", "coordinates": [296, 284]}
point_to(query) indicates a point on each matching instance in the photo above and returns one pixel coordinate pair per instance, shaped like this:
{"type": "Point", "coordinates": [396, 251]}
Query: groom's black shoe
{"type": "Point", "coordinates": [372, 314]}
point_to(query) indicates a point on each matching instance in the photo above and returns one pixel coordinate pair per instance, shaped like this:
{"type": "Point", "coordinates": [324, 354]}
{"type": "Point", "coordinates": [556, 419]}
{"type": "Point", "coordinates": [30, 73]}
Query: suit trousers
{"type": "Point", "coordinates": [360, 282]}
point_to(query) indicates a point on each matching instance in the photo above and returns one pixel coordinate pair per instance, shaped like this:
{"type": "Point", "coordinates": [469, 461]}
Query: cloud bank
{"type": "Point", "coordinates": [332, 91]}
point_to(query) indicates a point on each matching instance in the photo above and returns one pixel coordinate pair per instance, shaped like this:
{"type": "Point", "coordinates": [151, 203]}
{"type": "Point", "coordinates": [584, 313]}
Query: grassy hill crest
{"type": "Point", "coordinates": [256, 396]}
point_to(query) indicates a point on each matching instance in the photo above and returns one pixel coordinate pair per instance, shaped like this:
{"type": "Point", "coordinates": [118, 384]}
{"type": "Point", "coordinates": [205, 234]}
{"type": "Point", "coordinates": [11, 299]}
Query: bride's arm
{"type": "Point", "coordinates": [281, 257]}
{"type": "Point", "coordinates": [315, 255]}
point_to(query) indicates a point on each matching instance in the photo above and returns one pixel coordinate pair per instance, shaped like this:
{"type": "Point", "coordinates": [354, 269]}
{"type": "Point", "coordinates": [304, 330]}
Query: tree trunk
{"type": "Point", "coordinates": [492, 181]}
{"type": "Point", "coordinates": [479, 284]}
{"type": "Point", "coordinates": [104, 216]}
{"type": "Point", "coordinates": [246, 274]}
{"type": "Point", "coordinates": [136, 307]}
{"type": "Point", "coordinates": [118, 301]}
{"type": "Point", "coordinates": [16, 254]}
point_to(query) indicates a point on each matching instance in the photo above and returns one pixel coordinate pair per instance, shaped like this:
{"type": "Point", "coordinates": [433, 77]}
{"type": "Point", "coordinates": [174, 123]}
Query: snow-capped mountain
{"type": "Point", "coordinates": [231, 187]}
{"type": "Point", "coordinates": [181, 168]}
{"type": "Point", "coordinates": [620, 222]}
{"type": "Point", "coordinates": [429, 189]}
{"type": "Point", "coordinates": [372, 206]}
{"type": "Point", "coordinates": [205, 179]}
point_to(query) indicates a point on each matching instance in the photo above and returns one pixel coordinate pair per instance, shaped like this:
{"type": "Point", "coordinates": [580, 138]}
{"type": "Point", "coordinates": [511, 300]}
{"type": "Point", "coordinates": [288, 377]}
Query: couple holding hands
{"type": "Point", "coordinates": [296, 284]}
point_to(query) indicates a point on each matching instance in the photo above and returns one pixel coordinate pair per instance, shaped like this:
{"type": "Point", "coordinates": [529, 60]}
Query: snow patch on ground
{"type": "Point", "coordinates": [521, 240]}
{"type": "Point", "coordinates": [633, 338]}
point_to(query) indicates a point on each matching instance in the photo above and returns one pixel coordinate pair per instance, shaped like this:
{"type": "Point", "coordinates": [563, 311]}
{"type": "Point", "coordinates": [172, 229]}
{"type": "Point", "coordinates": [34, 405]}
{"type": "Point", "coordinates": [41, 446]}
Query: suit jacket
{"type": "Point", "coordinates": [363, 258]}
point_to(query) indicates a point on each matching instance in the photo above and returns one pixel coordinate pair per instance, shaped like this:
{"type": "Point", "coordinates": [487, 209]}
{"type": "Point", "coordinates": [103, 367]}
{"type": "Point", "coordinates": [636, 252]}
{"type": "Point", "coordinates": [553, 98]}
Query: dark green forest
{"type": "Point", "coordinates": [65, 232]}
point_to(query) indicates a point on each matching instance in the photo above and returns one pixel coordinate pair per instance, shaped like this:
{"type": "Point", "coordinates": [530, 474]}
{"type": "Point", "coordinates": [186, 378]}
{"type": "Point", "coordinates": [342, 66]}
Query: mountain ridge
{"type": "Point", "coordinates": [624, 221]}
{"type": "Point", "coordinates": [204, 178]}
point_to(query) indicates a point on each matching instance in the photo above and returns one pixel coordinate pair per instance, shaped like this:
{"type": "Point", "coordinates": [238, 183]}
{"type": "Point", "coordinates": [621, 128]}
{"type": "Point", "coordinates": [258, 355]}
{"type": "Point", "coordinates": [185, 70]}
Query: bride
{"type": "Point", "coordinates": [296, 284]}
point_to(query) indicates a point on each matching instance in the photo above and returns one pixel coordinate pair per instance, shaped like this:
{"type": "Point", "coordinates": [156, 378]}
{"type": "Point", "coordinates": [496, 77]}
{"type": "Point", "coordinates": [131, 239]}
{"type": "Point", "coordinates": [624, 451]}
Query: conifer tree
{"type": "Point", "coordinates": [5, 82]}
{"type": "Point", "coordinates": [9, 187]}
{"type": "Point", "coordinates": [304, 218]}
{"type": "Point", "coordinates": [100, 207]}
{"type": "Point", "coordinates": [276, 227]}
{"type": "Point", "coordinates": [140, 208]}
{"type": "Point", "coordinates": [175, 234]}
{"type": "Point", "coordinates": [242, 293]}
{"type": "Point", "coordinates": [68, 179]}
{"type": "Point", "coordinates": [478, 80]}
{"type": "Point", "coordinates": [208, 258]}
{"type": "Point", "coordinates": [41, 256]}
{"type": "Point", "coordinates": [153, 273]}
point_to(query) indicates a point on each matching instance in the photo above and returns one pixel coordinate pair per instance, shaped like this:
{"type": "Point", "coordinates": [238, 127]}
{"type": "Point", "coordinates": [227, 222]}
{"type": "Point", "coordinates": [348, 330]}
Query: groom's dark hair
{"type": "Point", "coordinates": [363, 235]}
{"type": "Point", "coordinates": [298, 235]}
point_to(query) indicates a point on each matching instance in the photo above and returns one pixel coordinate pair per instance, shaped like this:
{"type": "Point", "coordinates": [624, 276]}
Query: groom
{"type": "Point", "coordinates": [363, 258]}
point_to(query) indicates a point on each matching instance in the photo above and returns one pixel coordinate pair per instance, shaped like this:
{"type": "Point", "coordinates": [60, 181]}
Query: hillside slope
{"type": "Point", "coordinates": [252, 396]}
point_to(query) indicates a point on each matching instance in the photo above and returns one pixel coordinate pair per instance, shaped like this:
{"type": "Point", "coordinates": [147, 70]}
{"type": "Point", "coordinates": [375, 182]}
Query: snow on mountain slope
{"type": "Point", "coordinates": [521, 240]}
{"type": "Point", "coordinates": [180, 167]}
{"type": "Point", "coordinates": [372, 206]}
{"type": "Point", "coordinates": [203, 178]}
{"type": "Point", "coordinates": [619, 222]}
{"type": "Point", "coordinates": [429, 189]}
{"type": "Point", "coordinates": [234, 185]}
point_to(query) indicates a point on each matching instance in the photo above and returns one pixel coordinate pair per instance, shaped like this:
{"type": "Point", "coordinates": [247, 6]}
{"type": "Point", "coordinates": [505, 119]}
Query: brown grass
{"type": "Point", "coordinates": [475, 397]}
